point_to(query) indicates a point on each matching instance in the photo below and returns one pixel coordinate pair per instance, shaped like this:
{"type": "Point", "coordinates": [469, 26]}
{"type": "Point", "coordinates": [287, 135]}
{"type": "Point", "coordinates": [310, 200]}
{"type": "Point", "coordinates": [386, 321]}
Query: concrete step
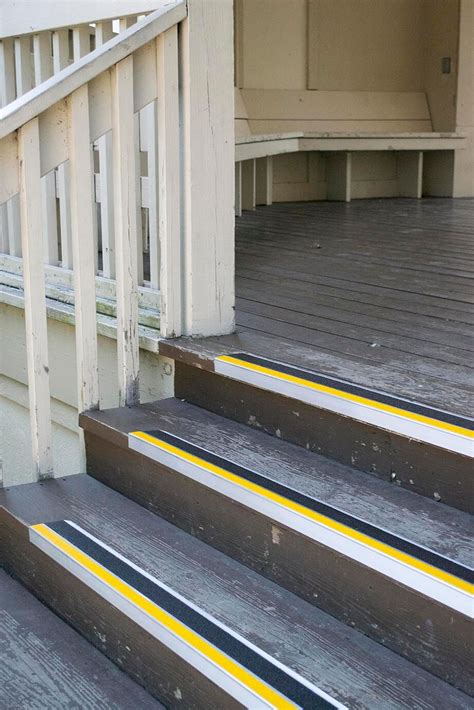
{"type": "Point", "coordinates": [193, 626]}
{"type": "Point", "coordinates": [414, 434]}
{"type": "Point", "coordinates": [389, 562]}
{"type": "Point", "coordinates": [46, 664]}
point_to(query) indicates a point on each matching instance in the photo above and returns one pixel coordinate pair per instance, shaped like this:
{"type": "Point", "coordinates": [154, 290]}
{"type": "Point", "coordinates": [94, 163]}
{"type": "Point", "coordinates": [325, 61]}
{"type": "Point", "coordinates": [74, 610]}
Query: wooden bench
{"type": "Point", "coordinates": [339, 125]}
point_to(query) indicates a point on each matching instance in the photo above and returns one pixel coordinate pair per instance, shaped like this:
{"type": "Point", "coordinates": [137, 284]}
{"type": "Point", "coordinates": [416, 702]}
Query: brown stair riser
{"type": "Point", "coordinates": [419, 467]}
{"type": "Point", "coordinates": [427, 633]}
{"type": "Point", "coordinates": [140, 655]}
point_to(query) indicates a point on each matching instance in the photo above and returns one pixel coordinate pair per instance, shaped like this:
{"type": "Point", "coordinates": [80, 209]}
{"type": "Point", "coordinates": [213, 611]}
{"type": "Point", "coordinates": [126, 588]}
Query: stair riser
{"type": "Point", "coordinates": [424, 631]}
{"type": "Point", "coordinates": [421, 468]}
{"type": "Point", "coordinates": [141, 656]}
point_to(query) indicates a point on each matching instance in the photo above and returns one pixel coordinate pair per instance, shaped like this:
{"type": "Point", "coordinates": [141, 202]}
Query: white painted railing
{"type": "Point", "coordinates": [116, 190]}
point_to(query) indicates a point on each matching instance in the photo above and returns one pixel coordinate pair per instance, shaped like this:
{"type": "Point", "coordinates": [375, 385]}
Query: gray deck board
{"type": "Point", "coordinates": [342, 661]}
{"type": "Point", "coordinates": [45, 664]}
{"type": "Point", "coordinates": [379, 292]}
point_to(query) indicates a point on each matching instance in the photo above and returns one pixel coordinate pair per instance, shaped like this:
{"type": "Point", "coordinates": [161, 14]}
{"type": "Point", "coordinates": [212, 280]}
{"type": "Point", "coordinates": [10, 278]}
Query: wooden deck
{"type": "Point", "coordinates": [377, 291]}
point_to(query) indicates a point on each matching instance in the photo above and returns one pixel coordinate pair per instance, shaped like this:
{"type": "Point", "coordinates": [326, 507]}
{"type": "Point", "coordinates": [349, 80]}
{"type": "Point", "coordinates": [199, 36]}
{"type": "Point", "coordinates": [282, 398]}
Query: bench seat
{"type": "Point", "coordinates": [415, 171]}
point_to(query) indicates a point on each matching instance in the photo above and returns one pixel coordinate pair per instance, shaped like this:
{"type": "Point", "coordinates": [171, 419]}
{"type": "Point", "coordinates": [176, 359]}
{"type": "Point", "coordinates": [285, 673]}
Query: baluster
{"type": "Point", "coordinates": [81, 41]}
{"type": "Point", "coordinates": [103, 32]}
{"type": "Point", "coordinates": [64, 215]}
{"type": "Point", "coordinates": [23, 67]}
{"type": "Point", "coordinates": [50, 218]}
{"type": "Point", "coordinates": [3, 230]}
{"type": "Point", "coordinates": [60, 50]}
{"type": "Point", "coordinates": [7, 72]}
{"type": "Point", "coordinates": [149, 143]}
{"type": "Point", "coordinates": [169, 184]}
{"type": "Point", "coordinates": [83, 243]}
{"type": "Point", "coordinates": [126, 237]}
{"type": "Point", "coordinates": [126, 22]}
{"type": "Point", "coordinates": [106, 190]}
{"type": "Point", "coordinates": [43, 59]}
{"type": "Point", "coordinates": [35, 303]}
{"type": "Point", "coordinates": [14, 226]}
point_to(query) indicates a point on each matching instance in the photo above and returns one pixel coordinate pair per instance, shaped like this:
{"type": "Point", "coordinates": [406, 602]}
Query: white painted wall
{"type": "Point", "coordinates": [156, 382]}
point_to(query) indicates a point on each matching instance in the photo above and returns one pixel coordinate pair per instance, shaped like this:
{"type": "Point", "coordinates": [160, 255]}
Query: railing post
{"type": "Point", "coordinates": [126, 234]}
{"type": "Point", "coordinates": [169, 187]}
{"type": "Point", "coordinates": [207, 88]}
{"type": "Point", "coordinates": [83, 244]}
{"type": "Point", "coordinates": [35, 303]}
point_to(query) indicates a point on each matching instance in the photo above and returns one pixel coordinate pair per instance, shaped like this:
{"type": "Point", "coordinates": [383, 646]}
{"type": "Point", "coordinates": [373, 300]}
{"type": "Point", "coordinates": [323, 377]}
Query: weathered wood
{"type": "Point", "coordinates": [83, 244]}
{"type": "Point", "coordinates": [14, 226]}
{"type": "Point", "coordinates": [81, 72]}
{"type": "Point", "coordinates": [106, 186]}
{"type": "Point", "coordinates": [410, 174]}
{"type": "Point", "coordinates": [35, 305]}
{"type": "Point", "coordinates": [338, 176]}
{"type": "Point", "coordinates": [45, 661]}
{"type": "Point", "coordinates": [208, 132]}
{"type": "Point", "coordinates": [103, 32]}
{"type": "Point", "coordinates": [168, 251]}
{"type": "Point", "coordinates": [125, 221]}
{"type": "Point", "coordinates": [297, 633]}
{"type": "Point", "coordinates": [81, 41]}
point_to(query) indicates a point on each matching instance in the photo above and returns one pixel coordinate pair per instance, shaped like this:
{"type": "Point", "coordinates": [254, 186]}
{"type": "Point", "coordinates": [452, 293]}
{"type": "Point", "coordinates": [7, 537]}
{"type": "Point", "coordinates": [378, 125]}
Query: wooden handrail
{"type": "Point", "coordinates": [42, 97]}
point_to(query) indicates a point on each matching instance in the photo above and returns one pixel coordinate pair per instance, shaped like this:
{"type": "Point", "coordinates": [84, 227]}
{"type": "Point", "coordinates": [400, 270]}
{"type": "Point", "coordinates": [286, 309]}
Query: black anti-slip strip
{"type": "Point", "coordinates": [399, 543]}
{"type": "Point", "coordinates": [349, 387]}
{"type": "Point", "coordinates": [223, 640]}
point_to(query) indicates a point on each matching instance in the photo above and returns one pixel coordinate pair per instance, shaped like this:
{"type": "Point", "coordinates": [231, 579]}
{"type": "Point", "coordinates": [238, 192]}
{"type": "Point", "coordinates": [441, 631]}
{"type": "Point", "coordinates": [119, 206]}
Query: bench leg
{"type": "Point", "coordinates": [410, 173]}
{"type": "Point", "coordinates": [248, 184]}
{"type": "Point", "coordinates": [438, 173]}
{"type": "Point", "coordinates": [339, 176]}
{"type": "Point", "coordinates": [264, 181]}
{"type": "Point", "coordinates": [238, 189]}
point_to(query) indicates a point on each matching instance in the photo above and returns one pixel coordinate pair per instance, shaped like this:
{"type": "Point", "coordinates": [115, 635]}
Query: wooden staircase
{"type": "Point", "coordinates": [261, 574]}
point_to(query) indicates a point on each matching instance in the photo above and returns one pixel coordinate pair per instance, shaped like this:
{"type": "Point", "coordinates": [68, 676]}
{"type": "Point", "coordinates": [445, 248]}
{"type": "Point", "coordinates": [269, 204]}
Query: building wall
{"type": "Point", "coordinates": [156, 382]}
{"type": "Point", "coordinates": [358, 45]}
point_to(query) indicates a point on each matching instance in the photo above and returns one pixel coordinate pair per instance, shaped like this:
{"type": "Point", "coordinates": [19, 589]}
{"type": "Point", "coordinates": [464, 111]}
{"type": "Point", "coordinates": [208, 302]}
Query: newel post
{"type": "Point", "coordinates": [207, 117]}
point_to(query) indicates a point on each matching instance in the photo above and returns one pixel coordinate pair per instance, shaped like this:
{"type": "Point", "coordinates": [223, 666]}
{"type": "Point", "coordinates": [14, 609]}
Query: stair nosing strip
{"type": "Point", "coordinates": [428, 572]}
{"type": "Point", "coordinates": [399, 415]}
{"type": "Point", "coordinates": [221, 654]}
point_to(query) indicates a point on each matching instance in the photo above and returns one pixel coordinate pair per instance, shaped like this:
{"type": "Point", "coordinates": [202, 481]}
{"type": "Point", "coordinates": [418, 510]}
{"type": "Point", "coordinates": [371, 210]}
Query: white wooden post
{"type": "Point", "coordinates": [264, 181]}
{"type": "Point", "coordinates": [206, 45]}
{"type": "Point", "coordinates": [169, 186]}
{"type": "Point", "coordinates": [81, 41]}
{"type": "Point", "coordinates": [3, 230]}
{"type": "Point", "coordinates": [238, 189]}
{"type": "Point", "coordinates": [106, 187]}
{"type": "Point", "coordinates": [65, 214]}
{"type": "Point", "coordinates": [410, 173]}
{"type": "Point", "coordinates": [35, 303]}
{"type": "Point", "coordinates": [103, 32]}
{"type": "Point", "coordinates": [7, 71]}
{"type": "Point", "coordinates": [60, 50]}
{"type": "Point", "coordinates": [83, 244]}
{"type": "Point", "coordinates": [14, 226]}
{"type": "Point", "coordinates": [339, 176]}
{"type": "Point", "coordinates": [23, 67]}
{"type": "Point", "coordinates": [43, 58]}
{"type": "Point", "coordinates": [125, 219]}
{"type": "Point", "coordinates": [249, 179]}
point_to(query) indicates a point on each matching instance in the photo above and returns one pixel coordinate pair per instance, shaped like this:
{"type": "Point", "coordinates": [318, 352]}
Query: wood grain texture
{"type": "Point", "coordinates": [342, 661]}
{"type": "Point", "coordinates": [47, 664]}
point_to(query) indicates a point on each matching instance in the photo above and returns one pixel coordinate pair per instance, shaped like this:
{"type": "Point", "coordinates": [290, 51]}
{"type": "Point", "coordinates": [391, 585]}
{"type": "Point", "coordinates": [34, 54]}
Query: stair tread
{"type": "Point", "coordinates": [425, 522]}
{"type": "Point", "coordinates": [341, 661]}
{"type": "Point", "coordinates": [454, 393]}
{"type": "Point", "coordinates": [45, 663]}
